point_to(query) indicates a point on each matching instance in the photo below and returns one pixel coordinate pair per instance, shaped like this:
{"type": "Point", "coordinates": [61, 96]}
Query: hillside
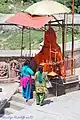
{"type": "Point", "coordinates": [11, 39]}
{"type": "Point", "coordinates": [12, 6]}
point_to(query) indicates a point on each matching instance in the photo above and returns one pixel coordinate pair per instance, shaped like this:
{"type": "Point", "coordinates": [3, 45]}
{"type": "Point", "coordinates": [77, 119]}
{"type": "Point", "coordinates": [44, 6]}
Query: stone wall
{"type": "Point", "coordinates": [10, 67]}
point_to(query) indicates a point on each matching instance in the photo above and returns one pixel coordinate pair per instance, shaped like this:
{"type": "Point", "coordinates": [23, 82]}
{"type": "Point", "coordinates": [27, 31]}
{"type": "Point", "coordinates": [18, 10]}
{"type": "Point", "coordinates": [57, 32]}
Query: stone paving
{"type": "Point", "coordinates": [8, 89]}
{"type": "Point", "coordinates": [65, 107]}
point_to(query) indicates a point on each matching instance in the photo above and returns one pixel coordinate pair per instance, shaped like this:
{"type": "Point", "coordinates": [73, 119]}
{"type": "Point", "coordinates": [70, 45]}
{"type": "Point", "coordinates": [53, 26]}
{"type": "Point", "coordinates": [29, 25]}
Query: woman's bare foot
{"type": "Point", "coordinates": [26, 100]}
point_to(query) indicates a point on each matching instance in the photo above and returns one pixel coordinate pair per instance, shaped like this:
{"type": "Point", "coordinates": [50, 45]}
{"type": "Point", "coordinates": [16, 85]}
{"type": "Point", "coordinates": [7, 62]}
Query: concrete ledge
{"type": "Point", "coordinates": [71, 86]}
{"type": "Point", "coordinates": [59, 87]}
{"type": "Point", "coordinates": [71, 78]}
{"type": "Point", "coordinates": [9, 80]}
{"type": "Point", "coordinates": [76, 81]}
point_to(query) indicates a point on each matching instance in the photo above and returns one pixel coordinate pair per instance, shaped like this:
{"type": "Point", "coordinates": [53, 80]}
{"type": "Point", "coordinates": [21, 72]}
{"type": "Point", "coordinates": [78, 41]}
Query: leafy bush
{"type": "Point", "coordinates": [78, 9]}
{"type": "Point", "coordinates": [4, 8]}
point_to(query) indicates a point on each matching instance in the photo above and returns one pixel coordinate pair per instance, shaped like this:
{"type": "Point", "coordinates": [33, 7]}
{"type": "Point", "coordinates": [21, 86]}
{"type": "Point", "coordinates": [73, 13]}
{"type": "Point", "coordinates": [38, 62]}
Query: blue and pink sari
{"type": "Point", "coordinates": [26, 82]}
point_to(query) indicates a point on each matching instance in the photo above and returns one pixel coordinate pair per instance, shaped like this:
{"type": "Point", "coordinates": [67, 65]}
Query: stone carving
{"type": "Point", "coordinates": [14, 68]}
{"type": "Point", "coordinates": [4, 70]}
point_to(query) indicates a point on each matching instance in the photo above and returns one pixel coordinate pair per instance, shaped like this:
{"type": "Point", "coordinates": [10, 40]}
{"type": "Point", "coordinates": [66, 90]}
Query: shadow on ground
{"type": "Point", "coordinates": [47, 102]}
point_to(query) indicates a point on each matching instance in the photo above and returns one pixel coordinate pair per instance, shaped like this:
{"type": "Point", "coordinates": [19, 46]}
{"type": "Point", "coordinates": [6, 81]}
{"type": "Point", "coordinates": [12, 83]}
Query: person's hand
{"type": "Point", "coordinates": [33, 77]}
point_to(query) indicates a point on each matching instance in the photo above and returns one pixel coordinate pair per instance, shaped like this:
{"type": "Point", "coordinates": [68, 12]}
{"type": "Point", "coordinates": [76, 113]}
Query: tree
{"type": "Point", "coordinates": [69, 2]}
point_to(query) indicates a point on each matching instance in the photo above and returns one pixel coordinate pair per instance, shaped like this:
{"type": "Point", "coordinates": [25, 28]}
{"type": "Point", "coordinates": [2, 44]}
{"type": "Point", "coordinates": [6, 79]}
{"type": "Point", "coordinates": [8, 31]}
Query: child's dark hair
{"type": "Point", "coordinates": [27, 62]}
{"type": "Point", "coordinates": [40, 68]}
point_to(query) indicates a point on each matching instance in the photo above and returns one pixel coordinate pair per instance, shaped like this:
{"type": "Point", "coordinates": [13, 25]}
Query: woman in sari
{"type": "Point", "coordinates": [26, 81]}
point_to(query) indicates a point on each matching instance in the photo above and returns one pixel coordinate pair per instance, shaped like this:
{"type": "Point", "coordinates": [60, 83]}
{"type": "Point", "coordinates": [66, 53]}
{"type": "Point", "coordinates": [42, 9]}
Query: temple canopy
{"type": "Point", "coordinates": [27, 20]}
{"type": "Point", "coordinates": [48, 7]}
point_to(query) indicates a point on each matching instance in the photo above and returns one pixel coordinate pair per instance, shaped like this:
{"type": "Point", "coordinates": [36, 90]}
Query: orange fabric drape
{"type": "Point", "coordinates": [50, 51]}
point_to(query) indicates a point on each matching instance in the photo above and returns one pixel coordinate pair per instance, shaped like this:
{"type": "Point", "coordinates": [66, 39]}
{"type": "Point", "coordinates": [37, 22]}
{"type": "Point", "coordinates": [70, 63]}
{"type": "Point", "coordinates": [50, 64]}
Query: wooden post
{"type": "Point", "coordinates": [22, 41]}
{"type": "Point", "coordinates": [63, 37]}
{"type": "Point", "coordinates": [50, 60]}
{"type": "Point", "coordinates": [72, 53]}
{"type": "Point", "coordinates": [29, 43]}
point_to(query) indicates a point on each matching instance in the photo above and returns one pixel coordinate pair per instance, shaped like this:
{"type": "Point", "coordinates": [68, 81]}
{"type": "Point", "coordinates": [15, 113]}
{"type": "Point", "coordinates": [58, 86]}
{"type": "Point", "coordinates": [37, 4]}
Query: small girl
{"type": "Point", "coordinates": [40, 85]}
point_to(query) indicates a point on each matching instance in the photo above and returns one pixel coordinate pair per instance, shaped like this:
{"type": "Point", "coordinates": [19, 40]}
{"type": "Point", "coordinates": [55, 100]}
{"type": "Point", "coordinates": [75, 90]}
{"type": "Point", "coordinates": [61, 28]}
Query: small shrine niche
{"type": "Point", "coordinates": [4, 73]}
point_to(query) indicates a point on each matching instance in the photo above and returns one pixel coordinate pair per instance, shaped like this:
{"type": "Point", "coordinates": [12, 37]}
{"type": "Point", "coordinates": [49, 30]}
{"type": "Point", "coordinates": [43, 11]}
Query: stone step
{"type": "Point", "coordinates": [10, 111]}
{"type": "Point", "coordinates": [8, 91]}
{"type": "Point", "coordinates": [72, 78]}
{"type": "Point", "coordinates": [72, 83]}
{"type": "Point", "coordinates": [71, 86]}
{"type": "Point", "coordinates": [18, 98]}
{"type": "Point", "coordinates": [17, 105]}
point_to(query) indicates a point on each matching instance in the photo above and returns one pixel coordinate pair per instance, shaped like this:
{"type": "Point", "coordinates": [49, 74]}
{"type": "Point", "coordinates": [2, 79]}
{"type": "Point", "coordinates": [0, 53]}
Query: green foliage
{"type": "Point", "coordinates": [69, 2]}
{"type": "Point", "coordinates": [78, 9]}
{"type": "Point", "coordinates": [60, 1]}
{"type": "Point", "coordinates": [17, 1]}
{"type": "Point", "coordinates": [4, 8]}
{"type": "Point", "coordinates": [14, 42]}
{"type": "Point", "coordinates": [12, 39]}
